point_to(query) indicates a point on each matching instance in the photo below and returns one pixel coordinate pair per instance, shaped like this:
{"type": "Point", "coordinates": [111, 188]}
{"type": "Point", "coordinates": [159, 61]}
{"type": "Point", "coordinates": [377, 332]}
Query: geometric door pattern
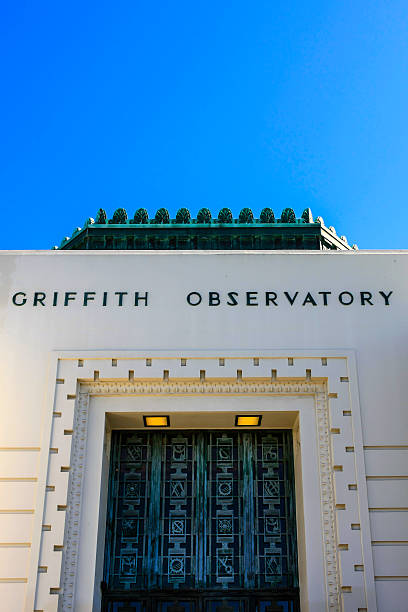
{"type": "Point", "coordinates": [202, 511]}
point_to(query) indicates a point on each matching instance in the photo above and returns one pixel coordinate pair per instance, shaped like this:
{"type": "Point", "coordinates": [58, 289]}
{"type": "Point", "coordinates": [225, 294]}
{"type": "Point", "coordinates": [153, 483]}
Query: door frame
{"type": "Point", "coordinates": [324, 437]}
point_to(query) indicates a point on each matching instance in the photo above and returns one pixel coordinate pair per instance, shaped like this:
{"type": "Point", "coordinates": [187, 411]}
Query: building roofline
{"type": "Point", "coordinates": [204, 232]}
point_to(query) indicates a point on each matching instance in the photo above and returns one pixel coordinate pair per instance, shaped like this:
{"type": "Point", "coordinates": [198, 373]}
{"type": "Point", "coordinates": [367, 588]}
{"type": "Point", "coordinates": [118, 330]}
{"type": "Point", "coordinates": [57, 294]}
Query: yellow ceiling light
{"type": "Point", "coordinates": [248, 420]}
{"type": "Point", "coordinates": [156, 421]}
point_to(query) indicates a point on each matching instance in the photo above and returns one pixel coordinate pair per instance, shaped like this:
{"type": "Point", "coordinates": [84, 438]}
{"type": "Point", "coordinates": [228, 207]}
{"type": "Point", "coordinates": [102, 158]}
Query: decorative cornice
{"type": "Point", "coordinates": [178, 387]}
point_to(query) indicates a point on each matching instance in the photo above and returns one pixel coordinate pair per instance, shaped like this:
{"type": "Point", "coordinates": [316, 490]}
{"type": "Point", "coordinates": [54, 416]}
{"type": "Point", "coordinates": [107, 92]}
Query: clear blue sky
{"type": "Point", "coordinates": [227, 103]}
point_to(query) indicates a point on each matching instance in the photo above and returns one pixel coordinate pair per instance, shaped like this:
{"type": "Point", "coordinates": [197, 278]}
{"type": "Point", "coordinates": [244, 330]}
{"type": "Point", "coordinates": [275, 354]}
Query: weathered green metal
{"type": "Point", "coordinates": [288, 216]}
{"type": "Point", "coordinates": [267, 215]}
{"type": "Point", "coordinates": [119, 216]}
{"type": "Point", "coordinates": [162, 216]}
{"type": "Point", "coordinates": [101, 218]}
{"type": "Point", "coordinates": [112, 509]}
{"type": "Point", "coordinates": [183, 216]}
{"type": "Point", "coordinates": [225, 215]}
{"type": "Point", "coordinates": [246, 216]}
{"type": "Point", "coordinates": [204, 216]}
{"type": "Point", "coordinates": [248, 513]}
{"type": "Point", "coordinates": [201, 511]}
{"type": "Point", "coordinates": [307, 216]}
{"type": "Point", "coordinates": [222, 233]}
{"type": "Point", "coordinates": [141, 216]}
{"type": "Point", "coordinates": [152, 559]}
{"type": "Point", "coordinates": [289, 476]}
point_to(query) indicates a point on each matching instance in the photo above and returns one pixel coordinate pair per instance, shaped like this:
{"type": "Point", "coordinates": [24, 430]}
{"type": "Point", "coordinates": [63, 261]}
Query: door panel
{"type": "Point", "coordinates": [284, 601]}
{"type": "Point", "coordinates": [200, 511]}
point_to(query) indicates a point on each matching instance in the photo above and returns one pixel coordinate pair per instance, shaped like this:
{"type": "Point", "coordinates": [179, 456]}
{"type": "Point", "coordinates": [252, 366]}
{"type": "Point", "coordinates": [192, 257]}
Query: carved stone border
{"type": "Point", "coordinates": [327, 499]}
{"type": "Point", "coordinates": [143, 388]}
{"type": "Point", "coordinates": [75, 486]}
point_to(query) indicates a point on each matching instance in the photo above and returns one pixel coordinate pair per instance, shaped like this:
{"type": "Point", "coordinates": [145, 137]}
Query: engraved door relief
{"type": "Point", "coordinates": [200, 510]}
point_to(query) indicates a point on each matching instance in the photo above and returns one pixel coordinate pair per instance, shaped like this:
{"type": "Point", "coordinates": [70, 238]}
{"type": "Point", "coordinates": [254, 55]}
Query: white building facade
{"type": "Point", "coordinates": [312, 343]}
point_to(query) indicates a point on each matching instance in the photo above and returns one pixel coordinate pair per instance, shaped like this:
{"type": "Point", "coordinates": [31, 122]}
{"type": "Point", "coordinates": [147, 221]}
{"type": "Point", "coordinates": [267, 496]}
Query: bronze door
{"type": "Point", "coordinates": [199, 520]}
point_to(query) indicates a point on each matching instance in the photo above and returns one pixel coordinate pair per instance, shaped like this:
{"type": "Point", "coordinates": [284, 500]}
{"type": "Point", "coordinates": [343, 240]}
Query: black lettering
{"type": "Point", "coordinates": [68, 297]}
{"type": "Point", "coordinates": [39, 298]}
{"type": "Point", "coordinates": [55, 298]}
{"type": "Point", "coordinates": [88, 296]}
{"type": "Point", "coordinates": [194, 301]}
{"type": "Point", "coordinates": [291, 299]}
{"type": "Point", "coordinates": [250, 297]}
{"type": "Point", "coordinates": [324, 294]}
{"type": "Point", "coordinates": [386, 297]}
{"type": "Point", "coordinates": [232, 295]}
{"type": "Point", "coordinates": [143, 298]}
{"type": "Point", "coordinates": [341, 299]}
{"type": "Point", "coordinates": [366, 296]}
{"type": "Point", "coordinates": [120, 294]}
{"type": "Point", "coordinates": [105, 298]}
{"type": "Point", "coordinates": [309, 299]}
{"type": "Point", "coordinates": [214, 298]}
{"type": "Point", "coordinates": [23, 300]}
{"type": "Point", "coordinates": [270, 298]}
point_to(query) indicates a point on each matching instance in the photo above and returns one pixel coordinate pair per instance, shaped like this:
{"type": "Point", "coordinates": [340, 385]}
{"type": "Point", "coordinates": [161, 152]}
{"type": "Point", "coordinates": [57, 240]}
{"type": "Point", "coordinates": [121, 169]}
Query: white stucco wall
{"type": "Point", "coordinates": [32, 335]}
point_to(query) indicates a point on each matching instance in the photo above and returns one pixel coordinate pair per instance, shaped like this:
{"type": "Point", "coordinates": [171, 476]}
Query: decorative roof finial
{"type": "Point", "coordinates": [183, 216]}
{"type": "Point", "coordinates": [141, 216]}
{"type": "Point", "coordinates": [307, 216]}
{"type": "Point", "coordinates": [225, 215]}
{"type": "Point", "coordinates": [204, 215]}
{"type": "Point", "coordinates": [101, 217]}
{"type": "Point", "coordinates": [288, 215]}
{"type": "Point", "coordinates": [119, 216]}
{"type": "Point", "coordinates": [246, 216]}
{"type": "Point", "coordinates": [267, 215]}
{"type": "Point", "coordinates": [162, 216]}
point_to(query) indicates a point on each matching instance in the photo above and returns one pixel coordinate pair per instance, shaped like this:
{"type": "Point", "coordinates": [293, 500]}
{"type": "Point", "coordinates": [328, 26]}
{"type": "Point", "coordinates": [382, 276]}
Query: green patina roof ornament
{"type": "Point", "coordinates": [183, 216]}
{"type": "Point", "coordinates": [246, 216]}
{"type": "Point", "coordinates": [204, 215]}
{"type": "Point", "coordinates": [64, 241]}
{"type": "Point", "coordinates": [307, 216]}
{"type": "Point", "coordinates": [204, 232]}
{"type": "Point", "coordinates": [288, 215]}
{"type": "Point", "coordinates": [267, 215]}
{"type": "Point", "coordinates": [141, 216]}
{"type": "Point", "coordinates": [119, 216]}
{"type": "Point", "coordinates": [101, 218]}
{"type": "Point", "coordinates": [162, 216]}
{"type": "Point", "coordinates": [225, 215]}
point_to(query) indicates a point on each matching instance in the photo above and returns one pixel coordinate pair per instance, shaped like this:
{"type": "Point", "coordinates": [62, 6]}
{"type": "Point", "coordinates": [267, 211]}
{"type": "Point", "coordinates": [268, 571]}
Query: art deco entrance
{"type": "Point", "coordinates": [201, 521]}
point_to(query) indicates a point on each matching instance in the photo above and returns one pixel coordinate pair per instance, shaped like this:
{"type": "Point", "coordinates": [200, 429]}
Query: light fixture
{"type": "Point", "coordinates": [156, 421]}
{"type": "Point", "coordinates": [248, 420]}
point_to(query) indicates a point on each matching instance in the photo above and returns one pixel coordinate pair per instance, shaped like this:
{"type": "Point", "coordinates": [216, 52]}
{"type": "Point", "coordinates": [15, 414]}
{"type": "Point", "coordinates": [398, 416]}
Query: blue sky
{"type": "Point", "coordinates": [231, 103]}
